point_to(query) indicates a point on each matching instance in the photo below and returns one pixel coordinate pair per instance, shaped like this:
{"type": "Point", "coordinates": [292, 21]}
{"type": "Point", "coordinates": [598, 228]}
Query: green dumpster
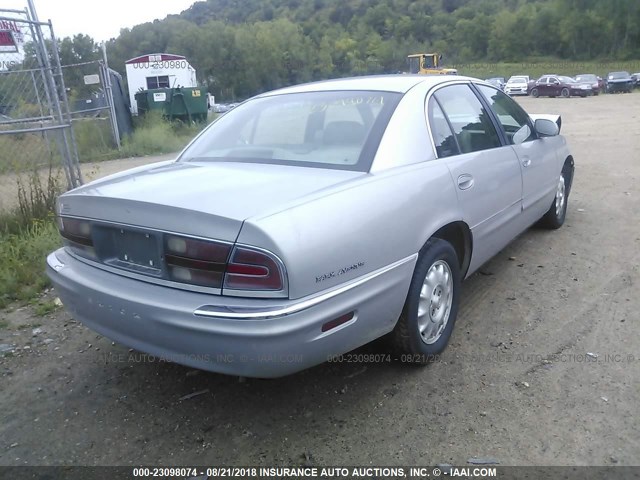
{"type": "Point", "coordinates": [188, 104]}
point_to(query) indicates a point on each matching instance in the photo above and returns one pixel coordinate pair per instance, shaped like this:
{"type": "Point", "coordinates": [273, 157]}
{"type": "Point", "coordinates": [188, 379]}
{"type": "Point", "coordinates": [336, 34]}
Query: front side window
{"type": "Point", "coordinates": [510, 115]}
{"type": "Point", "coordinates": [472, 126]}
{"type": "Point", "coordinates": [340, 130]}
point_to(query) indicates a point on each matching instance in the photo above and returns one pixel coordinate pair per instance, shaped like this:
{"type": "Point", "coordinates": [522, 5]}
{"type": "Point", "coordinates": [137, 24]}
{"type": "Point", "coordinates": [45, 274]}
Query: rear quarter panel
{"type": "Point", "coordinates": [338, 237]}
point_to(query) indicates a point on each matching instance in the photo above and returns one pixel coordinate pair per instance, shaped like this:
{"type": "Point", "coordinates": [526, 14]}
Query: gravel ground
{"type": "Point", "coordinates": [543, 367]}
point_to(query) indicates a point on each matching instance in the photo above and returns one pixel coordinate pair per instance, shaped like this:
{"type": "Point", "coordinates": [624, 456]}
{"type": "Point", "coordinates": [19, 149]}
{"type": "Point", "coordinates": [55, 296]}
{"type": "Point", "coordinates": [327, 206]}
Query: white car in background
{"type": "Point", "coordinates": [517, 85]}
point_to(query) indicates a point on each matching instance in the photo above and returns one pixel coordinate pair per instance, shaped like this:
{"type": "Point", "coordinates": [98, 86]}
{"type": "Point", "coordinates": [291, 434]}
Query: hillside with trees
{"type": "Point", "coordinates": [243, 47]}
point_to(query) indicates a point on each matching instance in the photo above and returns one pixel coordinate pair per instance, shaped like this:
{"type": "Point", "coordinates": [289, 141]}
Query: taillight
{"type": "Point", "coordinates": [77, 234]}
{"type": "Point", "coordinates": [250, 269]}
{"type": "Point", "coordinates": [239, 270]}
{"type": "Point", "coordinates": [75, 230]}
{"type": "Point", "coordinates": [194, 261]}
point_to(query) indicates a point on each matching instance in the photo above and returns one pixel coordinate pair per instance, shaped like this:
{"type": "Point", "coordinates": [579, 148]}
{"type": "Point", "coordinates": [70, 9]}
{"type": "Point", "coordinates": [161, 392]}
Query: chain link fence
{"type": "Point", "coordinates": [92, 116]}
{"type": "Point", "coordinates": [38, 154]}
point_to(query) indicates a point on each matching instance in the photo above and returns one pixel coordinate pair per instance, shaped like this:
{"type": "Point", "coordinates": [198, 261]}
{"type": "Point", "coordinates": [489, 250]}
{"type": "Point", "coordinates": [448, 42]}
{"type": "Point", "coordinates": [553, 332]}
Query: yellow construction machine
{"type": "Point", "coordinates": [428, 64]}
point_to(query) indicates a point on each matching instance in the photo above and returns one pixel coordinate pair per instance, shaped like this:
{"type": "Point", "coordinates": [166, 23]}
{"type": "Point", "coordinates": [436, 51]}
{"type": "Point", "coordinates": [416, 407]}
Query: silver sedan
{"type": "Point", "coordinates": [311, 220]}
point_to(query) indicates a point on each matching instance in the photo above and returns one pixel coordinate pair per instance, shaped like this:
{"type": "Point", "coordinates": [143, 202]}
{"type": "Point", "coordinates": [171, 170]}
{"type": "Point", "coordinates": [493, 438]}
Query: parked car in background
{"type": "Point", "coordinates": [518, 85]}
{"type": "Point", "coordinates": [559, 86]}
{"type": "Point", "coordinates": [302, 224]}
{"type": "Point", "coordinates": [497, 82]}
{"type": "Point", "coordinates": [220, 108]}
{"type": "Point", "coordinates": [597, 83]}
{"type": "Point", "coordinates": [636, 79]}
{"type": "Point", "coordinates": [619, 82]}
{"type": "Point", "coordinates": [224, 107]}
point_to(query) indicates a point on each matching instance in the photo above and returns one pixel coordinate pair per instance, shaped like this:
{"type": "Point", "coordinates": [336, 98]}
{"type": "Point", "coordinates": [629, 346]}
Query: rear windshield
{"type": "Point", "coordinates": [338, 130]}
{"type": "Point", "coordinates": [586, 78]}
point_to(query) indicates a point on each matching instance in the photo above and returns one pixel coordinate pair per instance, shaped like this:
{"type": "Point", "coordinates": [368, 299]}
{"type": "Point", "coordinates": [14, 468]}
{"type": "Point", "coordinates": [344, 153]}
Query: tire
{"type": "Point", "coordinates": [535, 93]}
{"type": "Point", "coordinates": [555, 216]}
{"type": "Point", "coordinates": [436, 282]}
{"type": "Point", "coordinates": [565, 93]}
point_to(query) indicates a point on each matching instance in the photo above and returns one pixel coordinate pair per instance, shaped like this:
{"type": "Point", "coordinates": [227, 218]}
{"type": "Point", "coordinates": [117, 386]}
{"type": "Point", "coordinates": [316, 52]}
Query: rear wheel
{"type": "Point", "coordinates": [565, 93]}
{"type": "Point", "coordinates": [430, 311]}
{"type": "Point", "coordinates": [535, 93]}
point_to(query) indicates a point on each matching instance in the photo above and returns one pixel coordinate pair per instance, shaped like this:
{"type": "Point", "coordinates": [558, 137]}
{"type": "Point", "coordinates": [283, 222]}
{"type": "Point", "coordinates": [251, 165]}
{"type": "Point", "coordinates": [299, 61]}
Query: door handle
{"type": "Point", "coordinates": [465, 181]}
{"type": "Point", "coordinates": [526, 161]}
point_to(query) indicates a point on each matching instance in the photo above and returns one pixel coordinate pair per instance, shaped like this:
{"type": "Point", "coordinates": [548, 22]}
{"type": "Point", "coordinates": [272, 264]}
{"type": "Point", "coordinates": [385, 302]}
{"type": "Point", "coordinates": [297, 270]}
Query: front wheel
{"type": "Point", "coordinates": [565, 93]}
{"type": "Point", "coordinates": [554, 218]}
{"type": "Point", "coordinates": [535, 93]}
{"type": "Point", "coordinates": [431, 308]}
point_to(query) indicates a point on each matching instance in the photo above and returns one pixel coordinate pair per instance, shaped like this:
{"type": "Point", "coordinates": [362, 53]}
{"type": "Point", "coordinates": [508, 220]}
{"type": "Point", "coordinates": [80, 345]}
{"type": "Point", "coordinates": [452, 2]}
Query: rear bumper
{"type": "Point", "coordinates": [236, 336]}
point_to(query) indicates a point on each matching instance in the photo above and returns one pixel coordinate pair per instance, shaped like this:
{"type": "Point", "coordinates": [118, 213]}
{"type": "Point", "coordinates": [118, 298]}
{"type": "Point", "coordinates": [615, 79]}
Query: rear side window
{"type": "Point", "coordinates": [472, 126]}
{"type": "Point", "coordinates": [443, 138]}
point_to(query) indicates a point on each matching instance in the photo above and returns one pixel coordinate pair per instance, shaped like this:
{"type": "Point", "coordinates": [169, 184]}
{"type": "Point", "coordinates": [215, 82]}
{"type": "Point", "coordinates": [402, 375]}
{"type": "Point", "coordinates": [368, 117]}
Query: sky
{"type": "Point", "coordinates": [101, 20]}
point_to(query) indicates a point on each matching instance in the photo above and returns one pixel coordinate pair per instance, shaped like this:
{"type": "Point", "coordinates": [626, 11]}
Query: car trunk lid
{"type": "Point", "coordinates": [208, 199]}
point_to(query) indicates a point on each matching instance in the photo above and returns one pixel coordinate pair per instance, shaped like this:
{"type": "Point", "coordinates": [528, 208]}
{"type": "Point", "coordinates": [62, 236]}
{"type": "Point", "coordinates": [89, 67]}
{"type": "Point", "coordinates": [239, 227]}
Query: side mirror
{"type": "Point", "coordinates": [546, 128]}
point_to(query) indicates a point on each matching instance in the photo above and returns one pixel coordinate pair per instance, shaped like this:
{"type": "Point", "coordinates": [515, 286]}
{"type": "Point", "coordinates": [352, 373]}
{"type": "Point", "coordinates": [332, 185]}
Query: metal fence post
{"type": "Point", "coordinates": [109, 95]}
{"type": "Point", "coordinates": [73, 149]}
{"type": "Point", "coordinates": [73, 180]}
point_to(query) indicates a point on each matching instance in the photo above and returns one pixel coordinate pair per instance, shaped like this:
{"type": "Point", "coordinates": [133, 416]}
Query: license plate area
{"type": "Point", "coordinates": [129, 249]}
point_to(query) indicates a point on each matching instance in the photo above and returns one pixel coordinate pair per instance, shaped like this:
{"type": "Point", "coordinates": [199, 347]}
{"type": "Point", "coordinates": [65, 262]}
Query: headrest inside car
{"type": "Point", "coordinates": [343, 133]}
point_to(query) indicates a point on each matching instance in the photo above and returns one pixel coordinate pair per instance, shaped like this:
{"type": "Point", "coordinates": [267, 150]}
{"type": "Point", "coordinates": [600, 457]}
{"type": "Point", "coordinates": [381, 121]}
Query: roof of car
{"type": "Point", "coordinates": [387, 83]}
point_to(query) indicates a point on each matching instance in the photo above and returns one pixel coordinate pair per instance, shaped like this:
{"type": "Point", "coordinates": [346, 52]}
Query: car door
{"type": "Point", "coordinates": [486, 173]}
{"type": "Point", "coordinates": [537, 155]}
{"type": "Point", "coordinates": [555, 87]}
{"type": "Point", "coordinates": [542, 86]}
